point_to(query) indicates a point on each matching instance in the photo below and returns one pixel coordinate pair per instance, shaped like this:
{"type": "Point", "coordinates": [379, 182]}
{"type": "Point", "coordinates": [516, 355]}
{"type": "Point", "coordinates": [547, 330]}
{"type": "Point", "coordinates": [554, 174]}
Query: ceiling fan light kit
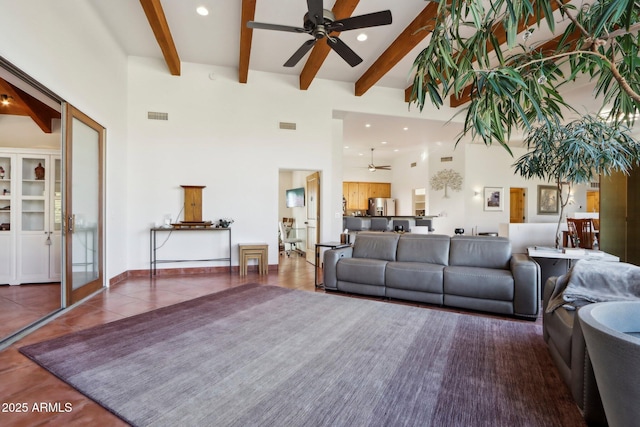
{"type": "Point", "coordinates": [373, 167]}
{"type": "Point", "coordinates": [320, 23]}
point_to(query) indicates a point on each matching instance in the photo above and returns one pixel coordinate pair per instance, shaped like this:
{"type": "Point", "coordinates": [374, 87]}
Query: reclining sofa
{"type": "Point", "coordinates": [563, 335]}
{"type": "Point", "coordinates": [471, 272]}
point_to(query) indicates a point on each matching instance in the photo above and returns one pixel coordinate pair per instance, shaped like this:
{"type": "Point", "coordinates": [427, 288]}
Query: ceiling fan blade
{"type": "Point", "coordinates": [315, 11]}
{"type": "Point", "coordinates": [362, 21]}
{"type": "Point", "coordinates": [302, 51]}
{"type": "Point", "coordinates": [276, 27]}
{"type": "Point", "coordinates": [344, 51]}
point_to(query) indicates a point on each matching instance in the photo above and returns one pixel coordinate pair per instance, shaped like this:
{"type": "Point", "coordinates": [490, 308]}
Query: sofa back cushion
{"type": "Point", "coordinates": [428, 248]}
{"type": "Point", "coordinates": [376, 246]}
{"type": "Point", "coordinates": [480, 251]}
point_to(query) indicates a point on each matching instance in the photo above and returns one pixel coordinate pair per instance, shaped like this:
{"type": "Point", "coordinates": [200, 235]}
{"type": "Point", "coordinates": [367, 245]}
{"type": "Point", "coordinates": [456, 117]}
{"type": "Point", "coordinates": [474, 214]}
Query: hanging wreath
{"type": "Point", "coordinates": [446, 179]}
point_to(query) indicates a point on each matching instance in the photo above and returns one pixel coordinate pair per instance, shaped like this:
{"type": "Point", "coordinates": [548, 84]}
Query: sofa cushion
{"type": "Point", "coordinates": [428, 248]}
{"type": "Point", "coordinates": [480, 251]}
{"type": "Point", "coordinates": [361, 270]}
{"type": "Point", "coordinates": [380, 246]}
{"type": "Point", "coordinates": [476, 282]}
{"type": "Point", "coordinates": [415, 276]}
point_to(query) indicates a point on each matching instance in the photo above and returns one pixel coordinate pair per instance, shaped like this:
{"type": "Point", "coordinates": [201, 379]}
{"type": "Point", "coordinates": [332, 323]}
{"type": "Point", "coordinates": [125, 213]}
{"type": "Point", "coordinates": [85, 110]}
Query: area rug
{"type": "Point", "coordinates": [267, 356]}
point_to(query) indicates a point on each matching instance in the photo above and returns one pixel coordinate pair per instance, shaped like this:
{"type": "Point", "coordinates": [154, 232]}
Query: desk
{"type": "Point", "coordinates": [554, 262]}
{"type": "Point", "coordinates": [153, 260]}
{"type": "Point", "coordinates": [330, 245]}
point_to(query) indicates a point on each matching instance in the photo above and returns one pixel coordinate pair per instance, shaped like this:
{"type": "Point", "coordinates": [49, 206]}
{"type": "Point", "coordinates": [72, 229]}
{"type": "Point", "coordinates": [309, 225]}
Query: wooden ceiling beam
{"type": "Point", "coordinates": [158, 22]}
{"type": "Point", "coordinates": [341, 9]}
{"type": "Point", "coordinates": [26, 104]}
{"type": "Point", "coordinates": [415, 32]}
{"type": "Point", "coordinates": [246, 36]}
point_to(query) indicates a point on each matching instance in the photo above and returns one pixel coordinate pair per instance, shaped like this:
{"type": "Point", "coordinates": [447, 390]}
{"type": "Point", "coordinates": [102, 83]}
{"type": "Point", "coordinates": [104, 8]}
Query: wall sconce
{"type": "Point", "coordinates": [476, 193]}
{"type": "Point", "coordinates": [5, 99]}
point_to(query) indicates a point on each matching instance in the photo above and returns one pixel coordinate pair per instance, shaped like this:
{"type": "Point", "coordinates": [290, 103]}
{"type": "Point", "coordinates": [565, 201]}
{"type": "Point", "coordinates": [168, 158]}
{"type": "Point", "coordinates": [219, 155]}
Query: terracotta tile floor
{"type": "Point", "coordinates": [23, 305]}
{"type": "Point", "coordinates": [23, 382]}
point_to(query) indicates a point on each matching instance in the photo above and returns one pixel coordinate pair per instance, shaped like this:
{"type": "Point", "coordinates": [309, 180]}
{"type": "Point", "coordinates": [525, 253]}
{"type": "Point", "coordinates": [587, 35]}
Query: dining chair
{"type": "Point", "coordinates": [581, 232]}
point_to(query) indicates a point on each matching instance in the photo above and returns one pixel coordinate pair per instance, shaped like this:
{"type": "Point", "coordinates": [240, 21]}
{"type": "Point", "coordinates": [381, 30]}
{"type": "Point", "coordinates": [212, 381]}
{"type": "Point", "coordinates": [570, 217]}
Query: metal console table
{"type": "Point", "coordinates": [154, 261]}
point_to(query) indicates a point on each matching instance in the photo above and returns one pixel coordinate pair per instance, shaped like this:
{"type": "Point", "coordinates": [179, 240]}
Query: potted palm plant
{"type": "Point", "coordinates": [577, 153]}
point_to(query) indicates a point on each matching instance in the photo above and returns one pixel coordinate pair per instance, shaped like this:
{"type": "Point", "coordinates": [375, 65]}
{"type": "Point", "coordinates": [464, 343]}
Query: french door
{"type": "Point", "coordinates": [83, 213]}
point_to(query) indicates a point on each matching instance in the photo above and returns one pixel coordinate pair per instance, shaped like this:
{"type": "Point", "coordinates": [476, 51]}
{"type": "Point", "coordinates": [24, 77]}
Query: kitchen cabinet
{"type": "Point", "coordinates": [31, 218]}
{"type": "Point", "coordinates": [358, 193]}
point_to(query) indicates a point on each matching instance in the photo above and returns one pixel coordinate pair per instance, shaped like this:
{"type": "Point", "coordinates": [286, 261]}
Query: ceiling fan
{"type": "Point", "coordinates": [319, 23]}
{"type": "Point", "coordinates": [373, 168]}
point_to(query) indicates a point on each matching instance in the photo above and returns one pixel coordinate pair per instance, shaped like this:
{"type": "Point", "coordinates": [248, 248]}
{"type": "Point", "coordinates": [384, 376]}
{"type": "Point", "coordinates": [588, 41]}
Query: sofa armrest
{"type": "Point", "coordinates": [330, 263]}
{"type": "Point", "coordinates": [526, 278]}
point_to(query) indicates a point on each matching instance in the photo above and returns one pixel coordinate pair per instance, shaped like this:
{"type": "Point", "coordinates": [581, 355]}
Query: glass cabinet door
{"type": "Point", "coordinates": [5, 192]}
{"type": "Point", "coordinates": [34, 193]}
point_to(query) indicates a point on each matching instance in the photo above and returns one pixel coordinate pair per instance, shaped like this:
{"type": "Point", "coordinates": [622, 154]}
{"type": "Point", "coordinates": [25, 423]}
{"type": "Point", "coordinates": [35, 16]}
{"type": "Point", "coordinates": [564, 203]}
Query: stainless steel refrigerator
{"type": "Point", "coordinates": [379, 206]}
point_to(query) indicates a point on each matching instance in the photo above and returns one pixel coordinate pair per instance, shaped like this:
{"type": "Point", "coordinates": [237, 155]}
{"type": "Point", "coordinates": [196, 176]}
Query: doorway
{"type": "Point", "coordinates": [36, 191]}
{"type": "Point", "coordinates": [30, 201]}
{"type": "Point", "coordinates": [517, 205]}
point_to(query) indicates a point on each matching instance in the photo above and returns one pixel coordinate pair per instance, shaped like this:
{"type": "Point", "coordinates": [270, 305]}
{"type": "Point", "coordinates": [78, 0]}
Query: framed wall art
{"type": "Point", "coordinates": [493, 198]}
{"type": "Point", "coordinates": [548, 200]}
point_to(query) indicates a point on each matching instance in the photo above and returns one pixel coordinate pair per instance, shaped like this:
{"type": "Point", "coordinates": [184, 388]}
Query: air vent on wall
{"type": "Point", "coordinates": [446, 159]}
{"type": "Point", "coordinates": [154, 115]}
{"type": "Point", "coordinates": [595, 185]}
{"type": "Point", "coordinates": [287, 126]}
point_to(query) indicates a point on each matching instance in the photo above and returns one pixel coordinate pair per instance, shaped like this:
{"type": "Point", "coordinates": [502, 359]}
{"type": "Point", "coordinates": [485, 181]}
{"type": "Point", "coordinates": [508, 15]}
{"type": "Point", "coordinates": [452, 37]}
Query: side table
{"type": "Point", "coordinates": [330, 245]}
{"type": "Point", "coordinates": [258, 251]}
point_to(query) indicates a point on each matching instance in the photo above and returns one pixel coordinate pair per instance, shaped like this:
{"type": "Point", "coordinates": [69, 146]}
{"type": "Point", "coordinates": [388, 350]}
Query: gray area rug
{"type": "Point", "coordinates": [268, 356]}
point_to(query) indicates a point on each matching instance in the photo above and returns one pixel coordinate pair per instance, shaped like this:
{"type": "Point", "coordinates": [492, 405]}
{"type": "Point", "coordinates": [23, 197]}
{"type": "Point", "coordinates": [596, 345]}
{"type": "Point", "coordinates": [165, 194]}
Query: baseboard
{"type": "Point", "coordinates": [162, 272]}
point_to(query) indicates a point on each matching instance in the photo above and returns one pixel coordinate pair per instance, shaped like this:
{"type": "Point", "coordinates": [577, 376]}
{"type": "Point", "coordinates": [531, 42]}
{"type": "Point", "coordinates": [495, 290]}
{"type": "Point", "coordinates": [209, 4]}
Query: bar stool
{"type": "Point", "coordinates": [257, 251]}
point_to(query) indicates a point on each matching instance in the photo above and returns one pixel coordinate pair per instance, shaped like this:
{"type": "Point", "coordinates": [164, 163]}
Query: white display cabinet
{"type": "Point", "coordinates": [31, 244]}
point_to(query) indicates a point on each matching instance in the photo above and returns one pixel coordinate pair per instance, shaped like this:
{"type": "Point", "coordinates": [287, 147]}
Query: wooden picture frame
{"type": "Point", "coordinates": [548, 200]}
{"type": "Point", "coordinates": [493, 198]}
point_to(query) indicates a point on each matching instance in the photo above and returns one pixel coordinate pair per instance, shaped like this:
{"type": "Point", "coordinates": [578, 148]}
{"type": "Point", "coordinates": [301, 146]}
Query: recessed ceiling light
{"type": "Point", "coordinates": [202, 11]}
{"type": "Point", "coordinates": [367, 125]}
{"type": "Point", "coordinates": [346, 146]}
{"type": "Point", "coordinates": [361, 37]}
{"type": "Point", "coordinates": [405, 128]}
{"type": "Point", "coordinates": [383, 142]}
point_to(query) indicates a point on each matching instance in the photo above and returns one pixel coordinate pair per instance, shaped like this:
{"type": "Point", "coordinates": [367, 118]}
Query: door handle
{"type": "Point", "coordinates": [71, 223]}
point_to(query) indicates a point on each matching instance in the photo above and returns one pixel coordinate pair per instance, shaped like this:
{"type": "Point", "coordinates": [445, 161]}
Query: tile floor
{"type": "Point", "coordinates": [22, 305]}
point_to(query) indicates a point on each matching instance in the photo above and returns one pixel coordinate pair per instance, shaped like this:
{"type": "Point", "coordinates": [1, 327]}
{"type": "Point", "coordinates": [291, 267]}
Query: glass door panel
{"type": "Point", "coordinates": [83, 205]}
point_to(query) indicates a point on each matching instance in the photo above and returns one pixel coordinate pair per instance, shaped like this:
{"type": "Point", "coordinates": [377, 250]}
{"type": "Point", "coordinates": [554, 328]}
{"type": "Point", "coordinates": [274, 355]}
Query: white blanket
{"type": "Point", "coordinates": [590, 281]}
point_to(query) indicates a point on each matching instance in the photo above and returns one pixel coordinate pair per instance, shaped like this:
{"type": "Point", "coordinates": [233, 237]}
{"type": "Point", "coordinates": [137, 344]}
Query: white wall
{"type": "Point", "coordinates": [65, 46]}
{"type": "Point", "coordinates": [225, 135]}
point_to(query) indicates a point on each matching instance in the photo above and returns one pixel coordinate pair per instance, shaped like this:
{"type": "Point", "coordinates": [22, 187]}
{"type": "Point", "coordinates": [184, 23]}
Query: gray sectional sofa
{"type": "Point", "coordinates": [471, 272]}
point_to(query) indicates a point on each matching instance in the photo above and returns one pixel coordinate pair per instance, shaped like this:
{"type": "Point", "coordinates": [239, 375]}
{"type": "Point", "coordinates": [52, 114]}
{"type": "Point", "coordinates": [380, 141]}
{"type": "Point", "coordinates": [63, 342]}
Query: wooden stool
{"type": "Point", "coordinates": [257, 251]}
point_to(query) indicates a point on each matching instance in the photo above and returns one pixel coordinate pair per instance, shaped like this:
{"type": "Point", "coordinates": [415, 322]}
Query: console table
{"type": "Point", "coordinates": [154, 261]}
